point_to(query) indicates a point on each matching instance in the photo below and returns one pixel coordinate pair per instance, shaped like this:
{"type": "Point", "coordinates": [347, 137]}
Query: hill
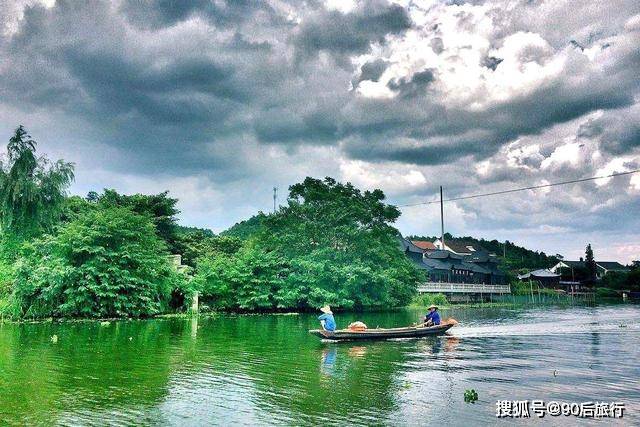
{"type": "Point", "coordinates": [245, 229]}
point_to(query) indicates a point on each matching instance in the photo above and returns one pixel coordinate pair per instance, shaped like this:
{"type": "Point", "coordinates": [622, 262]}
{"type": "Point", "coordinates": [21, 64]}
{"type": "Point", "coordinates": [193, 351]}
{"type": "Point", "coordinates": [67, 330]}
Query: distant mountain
{"type": "Point", "coordinates": [512, 257]}
{"type": "Point", "coordinates": [245, 229]}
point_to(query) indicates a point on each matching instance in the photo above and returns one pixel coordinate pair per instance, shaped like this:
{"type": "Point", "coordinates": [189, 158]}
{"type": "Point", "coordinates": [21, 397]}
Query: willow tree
{"type": "Point", "coordinates": [32, 189]}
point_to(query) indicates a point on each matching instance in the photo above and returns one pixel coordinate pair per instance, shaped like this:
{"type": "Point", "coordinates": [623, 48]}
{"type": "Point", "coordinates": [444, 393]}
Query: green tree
{"type": "Point", "coordinates": [195, 244]}
{"type": "Point", "coordinates": [590, 265]}
{"type": "Point", "coordinates": [159, 207]}
{"type": "Point", "coordinates": [331, 243]}
{"type": "Point", "coordinates": [246, 229]}
{"type": "Point", "coordinates": [32, 189]}
{"type": "Point", "coordinates": [108, 262]}
{"type": "Point", "coordinates": [247, 280]}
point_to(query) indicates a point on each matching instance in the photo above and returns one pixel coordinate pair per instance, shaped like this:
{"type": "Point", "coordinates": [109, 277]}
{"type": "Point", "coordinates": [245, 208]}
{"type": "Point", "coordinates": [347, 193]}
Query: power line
{"type": "Point", "coordinates": [513, 190]}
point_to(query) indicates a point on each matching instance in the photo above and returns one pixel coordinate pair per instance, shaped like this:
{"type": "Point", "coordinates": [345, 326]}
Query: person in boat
{"type": "Point", "coordinates": [326, 319]}
{"type": "Point", "coordinates": [433, 317]}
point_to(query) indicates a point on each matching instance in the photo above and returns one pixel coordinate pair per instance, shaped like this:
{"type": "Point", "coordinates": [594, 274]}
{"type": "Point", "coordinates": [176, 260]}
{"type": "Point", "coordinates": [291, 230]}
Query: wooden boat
{"type": "Point", "coordinates": [372, 334]}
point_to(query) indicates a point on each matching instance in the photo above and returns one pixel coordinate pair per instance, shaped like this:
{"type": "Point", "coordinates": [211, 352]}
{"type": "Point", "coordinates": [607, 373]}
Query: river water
{"type": "Point", "coordinates": [266, 369]}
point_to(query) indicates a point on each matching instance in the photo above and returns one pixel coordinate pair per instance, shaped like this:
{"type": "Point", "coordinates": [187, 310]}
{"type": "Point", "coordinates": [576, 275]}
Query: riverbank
{"type": "Point", "coordinates": [419, 303]}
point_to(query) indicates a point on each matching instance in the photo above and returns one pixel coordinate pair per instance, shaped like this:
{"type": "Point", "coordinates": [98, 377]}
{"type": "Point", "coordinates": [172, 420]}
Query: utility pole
{"type": "Point", "coordinates": [275, 198]}
{"type": "Point", "coordinates": [441, 220]}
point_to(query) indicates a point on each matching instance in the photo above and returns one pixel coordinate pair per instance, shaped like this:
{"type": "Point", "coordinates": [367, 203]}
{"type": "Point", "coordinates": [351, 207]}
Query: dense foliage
{"type": "Point", "coordinates": [32, 190]}
{"type": "Point", "coordinates": [195, 244]}
{"type": "Point", "coordinates": [331, 244]}
{"type": "Point", "coordinates": [108, 262]}
{"type": "Point", "coordinates": [247, 228]}
{"type": "Point", "coordinates": [622, 280]}
{"type": "Point", "coordinates": [159, 207]}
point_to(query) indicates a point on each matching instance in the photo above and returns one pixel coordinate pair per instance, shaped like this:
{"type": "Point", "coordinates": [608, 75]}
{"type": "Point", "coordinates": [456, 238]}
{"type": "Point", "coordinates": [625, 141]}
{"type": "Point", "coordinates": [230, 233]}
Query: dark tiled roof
{"type": "Point", "coordinates": [437, 264]}
{"type": "Point", "coordinates": [607, 265]}
{"type": "Point", "coordinates": [611, 265]}
{"type": "Point", "coordinates": [573, 263]}
{"type": "Point", "coordinates": [407, 246]}
{"type": "Point", "coordinates": [481, 257]}
{"type": "Point", "coordinates": [462, 247]}
{"type": "Point", "coordinates": [440, 254]}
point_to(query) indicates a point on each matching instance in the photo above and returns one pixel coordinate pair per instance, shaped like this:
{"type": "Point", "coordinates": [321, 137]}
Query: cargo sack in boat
{"type": "Point", "coordinates": [357, 326]}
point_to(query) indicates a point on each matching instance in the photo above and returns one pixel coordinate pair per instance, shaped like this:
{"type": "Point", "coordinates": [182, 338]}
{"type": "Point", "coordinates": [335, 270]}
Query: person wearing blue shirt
{"type": "Point", "coordinates": [433, 317]}
{"type": "Point", "coordinates": [326, 319]}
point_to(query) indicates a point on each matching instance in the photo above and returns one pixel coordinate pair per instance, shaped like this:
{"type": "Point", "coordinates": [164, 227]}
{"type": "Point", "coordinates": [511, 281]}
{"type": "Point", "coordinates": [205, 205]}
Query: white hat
{"type": "Point", "coordinates": [432, 306]}
{"type": "Point", "coordinates": [326, 309]}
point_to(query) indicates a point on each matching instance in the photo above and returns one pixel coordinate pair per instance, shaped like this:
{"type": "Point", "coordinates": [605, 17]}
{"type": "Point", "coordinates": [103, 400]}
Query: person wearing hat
{"type": "Point", "coordinates": [433, 317]}
{"type": "Point", "coordinates": [326, 319]}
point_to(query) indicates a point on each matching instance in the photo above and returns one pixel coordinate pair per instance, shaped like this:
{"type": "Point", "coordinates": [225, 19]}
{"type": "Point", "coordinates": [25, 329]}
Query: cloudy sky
{"type": "Point", "coordinates": [218, 101]}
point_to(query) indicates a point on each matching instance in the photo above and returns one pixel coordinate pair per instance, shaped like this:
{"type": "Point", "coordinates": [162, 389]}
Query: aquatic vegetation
{"type": "Point", "coordinates": [470, 396]}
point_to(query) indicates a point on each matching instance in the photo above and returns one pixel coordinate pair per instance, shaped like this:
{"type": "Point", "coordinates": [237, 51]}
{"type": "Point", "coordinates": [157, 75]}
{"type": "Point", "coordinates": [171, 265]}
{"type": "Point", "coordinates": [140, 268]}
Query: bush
{"type": "Point", "coordinates": [606, 293]}
{"type": "Point", "coordinates": [7, 276]}
{"type": "Point", "coordinates": [107, 262]}
{"type": "Point", "coordinates": [425, 300]}
{"type": "Point", "coordinates": [520, 288]}
{"type": "Point", "coordinates": [248, 280]}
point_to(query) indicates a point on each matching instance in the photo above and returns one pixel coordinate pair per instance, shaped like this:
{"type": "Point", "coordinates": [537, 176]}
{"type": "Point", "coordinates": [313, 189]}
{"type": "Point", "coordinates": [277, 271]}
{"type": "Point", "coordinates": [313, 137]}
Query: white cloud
{"type": "Point", "coordinates": [567, 153]}
{"type": "Point", "coordinates": [392, 178]}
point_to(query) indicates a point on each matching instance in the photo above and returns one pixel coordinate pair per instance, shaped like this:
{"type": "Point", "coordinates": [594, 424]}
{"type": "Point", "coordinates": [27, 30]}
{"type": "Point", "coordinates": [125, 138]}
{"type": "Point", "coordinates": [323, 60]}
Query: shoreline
{"type": "Point", "coordinates": [208, 314]}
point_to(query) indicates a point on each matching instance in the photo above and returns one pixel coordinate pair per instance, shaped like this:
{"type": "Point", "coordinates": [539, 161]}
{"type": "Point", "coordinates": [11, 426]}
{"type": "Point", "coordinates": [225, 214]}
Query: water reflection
{"type": "Point", "coordinates": [357, 351]}
{"type": "Point", "coordinates": [328, 363]}
{"type": "Point", "coordinates": [267, 369]}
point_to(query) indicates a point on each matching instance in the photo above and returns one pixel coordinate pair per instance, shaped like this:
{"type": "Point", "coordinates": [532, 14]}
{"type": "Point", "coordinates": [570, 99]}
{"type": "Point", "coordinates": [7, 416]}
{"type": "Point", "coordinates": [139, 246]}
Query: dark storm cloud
{"type": "Point", "coordinates": [351, 32]}
{"type": "Point", "coordinates": [371, 71]}
{"type": "Point", "coordinates": [243, 80]}
{"type": "Point", "coordinates": [473, 133]}
{"type": "Point", "coordinates": [414, 85]}
{"type": "Point", "coordinates": [190, 89]}
{"type": "Point", "coordinates": [618, 132]}
{"type": "Point", "coordinates": [491, 62]}
{"type": "Point", "coordinates": [278, 126]}
{"type": "Point", "coordinates": [162, 13]}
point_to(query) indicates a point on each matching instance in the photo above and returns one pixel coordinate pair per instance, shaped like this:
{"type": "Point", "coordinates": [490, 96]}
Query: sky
{"type": "Point", "coordinates": [219, 101]}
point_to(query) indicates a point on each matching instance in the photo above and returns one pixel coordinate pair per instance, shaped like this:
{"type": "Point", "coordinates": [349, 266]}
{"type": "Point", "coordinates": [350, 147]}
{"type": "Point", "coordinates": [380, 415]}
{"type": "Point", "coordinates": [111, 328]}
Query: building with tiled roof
{"type": "Point", "coordinates": [425, 245]}
{"type": "Point", "coordinates": [444, 266]}
{"type": "Point", "coordinates": [602, 267]}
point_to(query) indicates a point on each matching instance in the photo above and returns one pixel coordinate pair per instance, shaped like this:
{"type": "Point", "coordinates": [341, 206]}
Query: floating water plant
{"type": "Point", "coordinates": [54, 339]}
{"type": "Point", "coordinates": [470, 396]}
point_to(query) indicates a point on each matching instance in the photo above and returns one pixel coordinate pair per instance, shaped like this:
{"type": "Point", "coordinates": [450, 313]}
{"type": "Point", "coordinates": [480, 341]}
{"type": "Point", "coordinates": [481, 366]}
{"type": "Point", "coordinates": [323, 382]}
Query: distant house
{"type": "Point", "coordinates": [565, 267]}
{"type": "Point", "coordinates": [425, 245]}
{"type": "Point", "coordinates": [444, 266]}
{"type": "Point", "coordinates": [460, 247]}
{"type": "Point", "coordinates": [543, 277]}
{"type": "Point", "coordinates": [412, 251]}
